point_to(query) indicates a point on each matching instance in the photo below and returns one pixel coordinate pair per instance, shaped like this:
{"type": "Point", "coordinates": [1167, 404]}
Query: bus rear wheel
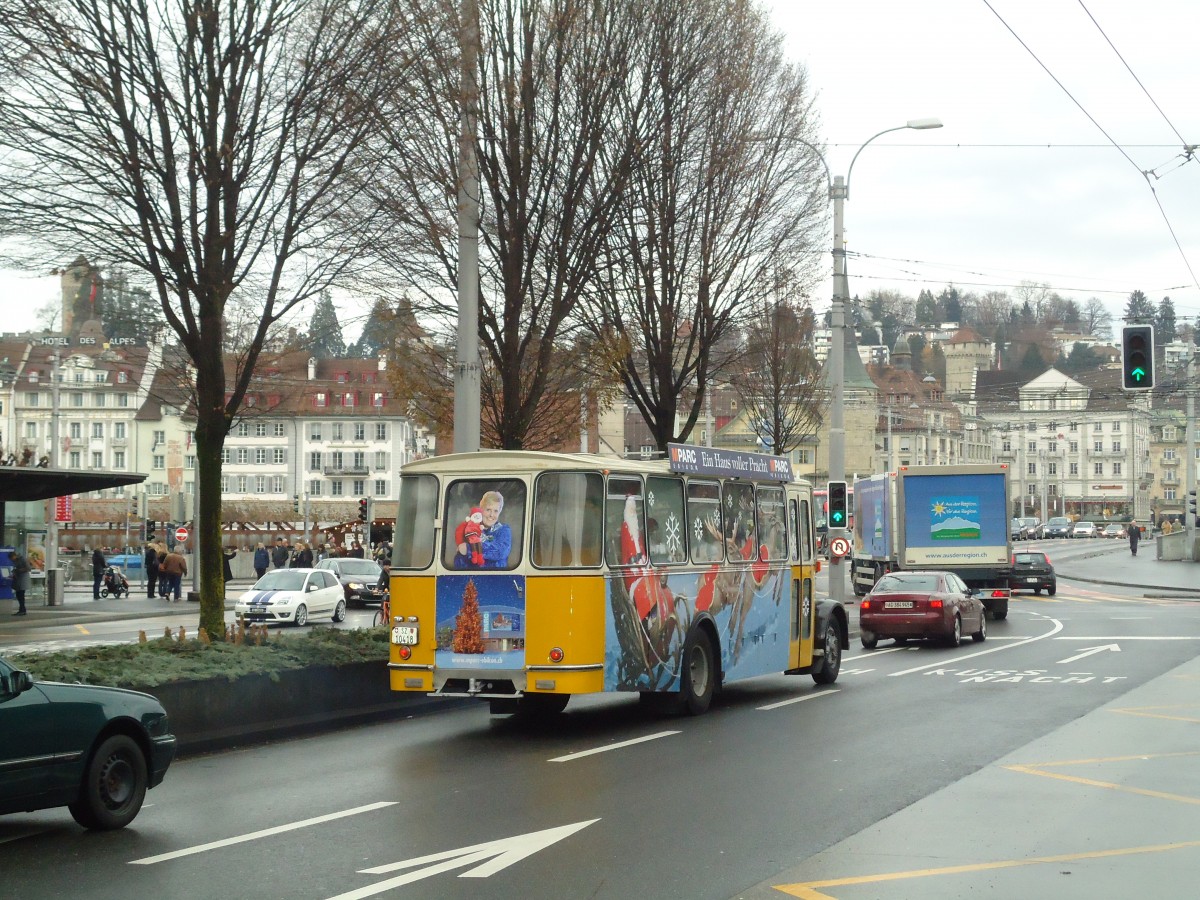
{"type": "Point", "coordinates": [698, 679]}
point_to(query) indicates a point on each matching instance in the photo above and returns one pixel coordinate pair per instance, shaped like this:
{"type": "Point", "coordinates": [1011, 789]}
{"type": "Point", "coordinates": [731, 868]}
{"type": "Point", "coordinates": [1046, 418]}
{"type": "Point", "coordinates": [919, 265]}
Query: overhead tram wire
{"type": "Point", "coordinates": [1143, 172]}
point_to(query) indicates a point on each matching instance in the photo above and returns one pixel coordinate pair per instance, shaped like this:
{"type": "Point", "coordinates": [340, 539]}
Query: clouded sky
{"type": "Point", "coordinates": [1019, 184]}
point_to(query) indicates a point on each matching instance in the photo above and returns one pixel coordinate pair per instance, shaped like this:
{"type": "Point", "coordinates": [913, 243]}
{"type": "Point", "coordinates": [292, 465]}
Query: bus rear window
{"type": "Point", "coordinates": [412, 547]}
{"type": "Point", "coordinates": [567, 520]}
{"type": "Point", "coordinates": [484, 525]}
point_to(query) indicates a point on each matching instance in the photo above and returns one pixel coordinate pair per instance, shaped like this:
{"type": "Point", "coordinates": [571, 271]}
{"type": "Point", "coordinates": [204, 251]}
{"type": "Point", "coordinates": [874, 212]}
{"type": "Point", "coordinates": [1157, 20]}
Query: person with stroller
{"type": "Point", "coordinates": [99, 564]}
{"type": "Point", "coordinates": [115, 582]}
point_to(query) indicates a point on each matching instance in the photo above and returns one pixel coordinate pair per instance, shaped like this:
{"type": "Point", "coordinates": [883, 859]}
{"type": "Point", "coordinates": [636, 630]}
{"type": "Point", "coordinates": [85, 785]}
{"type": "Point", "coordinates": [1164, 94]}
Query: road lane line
{"type": "Point", "coordinates": [1058, 626]}
{"type": "Point", "coordinates": [871, 653]}
{"type": "Point", "coordinates": [1171, 637]}
{"type": "Point", "coordinates": [811, 696]}
{"type": "Point", "coordinates": [617, 746]}
{"type": "Point", "coordinates": [255, 835]}
{"type": "Point", "coordinates": [82, 630]}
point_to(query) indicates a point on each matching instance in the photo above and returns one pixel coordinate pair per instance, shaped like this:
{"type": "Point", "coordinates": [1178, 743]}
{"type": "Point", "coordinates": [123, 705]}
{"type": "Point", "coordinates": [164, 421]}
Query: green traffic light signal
{"type": "Point", "coordinates": [837, 504]}
{"type": "Point", "coordinates": [1137, 357]}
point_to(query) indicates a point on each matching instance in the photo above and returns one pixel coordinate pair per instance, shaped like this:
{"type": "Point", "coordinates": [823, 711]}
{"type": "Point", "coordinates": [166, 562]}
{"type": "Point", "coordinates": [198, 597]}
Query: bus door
{"type": "Point", "coordinates": [802, 552]}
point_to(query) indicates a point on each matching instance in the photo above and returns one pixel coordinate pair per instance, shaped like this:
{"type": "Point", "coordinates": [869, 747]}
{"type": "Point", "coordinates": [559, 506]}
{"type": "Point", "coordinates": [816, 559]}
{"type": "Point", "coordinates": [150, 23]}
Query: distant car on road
{"type": "Point", "coordinates": [928, 604]}
{"type": "Point", "coordinates": [1084, 530]}
{"type": "Point", "coordinates": [1016, 530]}
{"type": "Point", "coordinates": [1058, 527]}
{"type": "Point", "coordinates": [293, 595]}
{"type": "Point", "coordinates": [95, 750]}
{"type": "Point", "coordinates": [1032, 570]}
{"type": "Point", "coordinates": [1033, 527]}
{"type": "Point", "coordinates": [1113, 530]}
{"type": "Point", "coordinates": [358, 578]}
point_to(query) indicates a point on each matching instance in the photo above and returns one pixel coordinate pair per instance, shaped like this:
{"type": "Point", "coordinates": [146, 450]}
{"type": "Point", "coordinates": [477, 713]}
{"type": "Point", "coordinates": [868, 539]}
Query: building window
{"type": "Point", "coordinates": [1032, 468]}
{"type": "Point", "coordinates": [1098, 469]}
{"type": "Point", "coordinates": [1169, 433]}
{"type": "Point", "coordinates": [1116, 446]}
{"type": "Point", "coordinates": [160, 437]}
{"type": "Point", "coordinates": [335, 488]}
{"type": "Point", "coordinates": [349, 398]}
{"type": "Point", "coordinates": [243, 456]}
{"type": "Point", "coordinates": [189, 462]}
{"type": "Point", "coordinates": [74, 459]}
{"type": "Point", "coordinates": [260, 456]}
{"type": "Point", "coordinates": [314, 461]}
{"type": "Point", "coordinates": [97, 460]}
{"type": "Point", "coordinates": [122, 377]}
{"type": "Point", "coordinates": [321, 399]}
{"type": "Point", "coordinates": [280, 456]}
{"type": "Point", "coordinates": [77, 399]}
{"type": "Point", "coordinates": [360, 462]}
{"type": "Point", "coordinates": [1169, 453]}
{"type": "Point", "coordinates": [360, 487]}
{"type": "Point", "coordinates": [159, 462]}
{"type": "Point", "coordinates": [1031, 447]}
{"type": "Point", "coordinates": [260, 484]}
{"type": "Point", "coordinates": [119, 431]}
{"type": "Point", "coordinates": [31, 398]}
{"type": "Point", "coordinates": [31, 430]}
{"type": "Point", "coordinates": [1098, 446]}
{"type": "Point", "coordinates": [241, 484]}
{"type": "Point", "coordinates": [314, 488]}
{"type": "Point", "coordinates": [1169, 494]}
{"type": "Point", "coordinates": [360, 431]}
{"type": "Point", "coordinates": [381, 431]}
{"type": "Point", "coordinates": [380, 487]}
{"type": "Point", "coordinates": [98, 430]}
{"type": "Point", "coordinates": [243, 429]}
{"type": "Point", "coordinates": [337, 431]}
{"type": "Point", "coordinates": [335, 459]}
{"type": "Point", "coordinates": [101, 399]}
{"type": "Point", "coordinates": [1006, 447]}
{"type": "Point", "coordinates": [79, 378]}
{"type": "Point", "coordinates": [226, 455]}
{"type": "Point", "coordinates": [260, 429]}
{"type": "Point", "coordinates": [314, 431]}
{"type": "Point", "coordinates": [1116, 426]}
{"type": "Point", "coordinates": [1052, 447]}
{"type": "Point", "coordinates": [1073, 471]}
{"type": "Point", "coordinates": [278, 429]}
{"type": "Point", "coordinates": [75, 431]}
{"type": "Point", "coordinates": [1052, 468]}
{"type": "Point", "coordinates": [379, 398]}
{"type": "Point", "coordinates": [1116, 468]}
{"type": "Point", "coordinates": [123, 400]}
{"type": "Point", "coordinates": [225, 484]}
{"type": "Point", "coordinates": [1074, 446]}
{"type": "Point", "coordinates": [276, 484]}
{"type": "Point", "coordinates": [380, 461]}
{"type": "Point", "coordinates": [118, 459]}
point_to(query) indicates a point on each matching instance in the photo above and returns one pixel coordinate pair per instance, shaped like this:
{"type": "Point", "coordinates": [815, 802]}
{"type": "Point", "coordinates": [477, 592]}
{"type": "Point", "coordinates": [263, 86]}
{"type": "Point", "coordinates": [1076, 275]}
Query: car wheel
{"type": "Point", "coordinates": [955, 639]}
{"type": "Point", "coordinates": [831, 664]}
{"type": "Point", "coordinates": [981, 635]}
{"type": "Point", "coordinates": [339, 611]}
{"type": "Point", "coordinates": [870, 640]}
{"type": "Point", "coordinates": [698, 679]}
{"type": "Point", "coordinates": [1052, 588]}
{"type": "Point", "coordinates": [114, 785]}
{"type": "Point", "coordinates": [301, 617]}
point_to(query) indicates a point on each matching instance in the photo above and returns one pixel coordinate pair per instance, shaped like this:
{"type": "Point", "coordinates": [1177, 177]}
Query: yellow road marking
{"type": "Point", "coordinates": [1091, 782]}
{"type": "Point", "coordinates": [1146, 712]}
{"type": "Point", "coordinates": [809, 890]}
{"type": "Point", "coordinates": [82, 630]}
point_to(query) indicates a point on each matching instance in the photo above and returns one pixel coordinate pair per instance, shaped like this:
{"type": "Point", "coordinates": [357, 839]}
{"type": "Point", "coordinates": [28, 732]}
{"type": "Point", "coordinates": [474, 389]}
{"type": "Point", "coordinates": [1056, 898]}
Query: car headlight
{"type": "Point", "coordinates": [353, 585]}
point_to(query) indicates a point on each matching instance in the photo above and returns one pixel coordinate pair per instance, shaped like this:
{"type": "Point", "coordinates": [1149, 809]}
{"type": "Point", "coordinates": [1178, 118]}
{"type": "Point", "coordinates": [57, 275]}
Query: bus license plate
{"type": "Point", "coordinates": [897, 604]}
{"type": "Point", "coordinates": [404, 634]}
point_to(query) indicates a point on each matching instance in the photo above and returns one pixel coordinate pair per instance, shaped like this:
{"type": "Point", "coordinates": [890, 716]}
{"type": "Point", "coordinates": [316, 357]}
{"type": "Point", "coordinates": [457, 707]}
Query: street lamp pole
{"type": "Point", "coordinates": [839, 192]}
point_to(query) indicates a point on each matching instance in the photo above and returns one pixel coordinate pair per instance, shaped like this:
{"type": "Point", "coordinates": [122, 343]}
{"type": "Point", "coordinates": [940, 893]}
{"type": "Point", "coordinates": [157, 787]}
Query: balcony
{"type": "Point", "coordinates": [1169, 461]}
{"type": "Point", "coordinates": [359, 471]}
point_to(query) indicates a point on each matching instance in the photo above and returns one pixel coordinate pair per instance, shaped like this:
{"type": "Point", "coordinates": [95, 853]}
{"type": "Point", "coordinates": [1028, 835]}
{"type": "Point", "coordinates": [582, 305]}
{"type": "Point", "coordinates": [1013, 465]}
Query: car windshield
{"type": "Point", "coordinates": [894, 584]}
{"type": "Point", "coordinates": [357, 567]}
{"type": "Point", "coordinates": [281, 580]}
{"type": "Point", "coordinates": [1085, 525]}
{"type": "Point", "coordinates": [1059, 521]}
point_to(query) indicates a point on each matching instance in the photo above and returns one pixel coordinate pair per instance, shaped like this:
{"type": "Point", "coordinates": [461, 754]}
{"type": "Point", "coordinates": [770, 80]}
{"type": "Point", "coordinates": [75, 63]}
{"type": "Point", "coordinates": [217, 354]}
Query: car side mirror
{"type": "Point", "coordinates": [16, 683]}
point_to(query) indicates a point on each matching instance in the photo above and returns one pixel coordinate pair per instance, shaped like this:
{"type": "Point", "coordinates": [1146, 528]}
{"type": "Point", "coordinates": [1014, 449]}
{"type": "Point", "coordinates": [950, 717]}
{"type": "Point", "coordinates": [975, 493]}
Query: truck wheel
{"type": "Point", "coordinates": [831, 664]}
{"type": "Point", "coordinates": [870, 640]}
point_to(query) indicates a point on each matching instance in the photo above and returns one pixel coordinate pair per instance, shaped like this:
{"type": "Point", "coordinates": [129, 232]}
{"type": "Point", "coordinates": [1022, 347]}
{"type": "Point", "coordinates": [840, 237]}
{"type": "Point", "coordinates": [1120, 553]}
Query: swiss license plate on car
{"type": "Point", "coordinates": [404, 634]}
{"type": "Point", "coordinates": [897, 604]}
{"type": "Point", "coordinates": [1031, 580]}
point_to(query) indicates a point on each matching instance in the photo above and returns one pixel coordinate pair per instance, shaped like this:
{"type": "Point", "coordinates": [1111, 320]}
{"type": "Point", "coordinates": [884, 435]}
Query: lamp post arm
{"type": "Point", "coordinates": [863, 147]}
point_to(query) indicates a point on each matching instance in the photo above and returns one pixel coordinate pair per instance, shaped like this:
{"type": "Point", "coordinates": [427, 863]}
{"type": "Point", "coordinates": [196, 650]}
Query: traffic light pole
{"type": "Point", "coordinates": [1189, 482]}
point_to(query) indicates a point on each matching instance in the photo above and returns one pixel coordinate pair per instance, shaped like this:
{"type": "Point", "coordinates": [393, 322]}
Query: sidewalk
{"type": "Point", "coordinates": [1151, 577]}
{"type": "Point", "coordinates": [78, 607]}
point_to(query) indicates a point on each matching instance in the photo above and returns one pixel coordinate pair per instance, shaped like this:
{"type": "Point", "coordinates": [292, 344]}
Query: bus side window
{"type": "Point", "coordinates": [772, 521]}
{"type": "Point", "coordinates": [793, 533]}
{"type": "Point", "coordinates": [740, 532]}
{"type": "Point", "coordinates": [566, 519]}
{"type": "Point", "coordinates": [805, 526]}
{"type": "Point", "coordinates": [705, 528]}
{"type": "Point", "coordinates": [664, 528]}
{"type": "Point", "coordinates": [625, 522]}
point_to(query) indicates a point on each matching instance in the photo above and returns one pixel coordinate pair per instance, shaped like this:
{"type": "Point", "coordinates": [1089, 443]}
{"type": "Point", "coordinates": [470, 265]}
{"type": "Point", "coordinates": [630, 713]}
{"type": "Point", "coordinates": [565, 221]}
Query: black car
{"type": "Point", "coordinates": [1032, 571]}
{"type": "Point", "coordinates": [358, 578]}
{"type": "Point", "coordinates": [1058, 527]}
{"type": "Point", "coordinates": [95, 750]}
{"type": "Point", "coordinates": [1016, 530]}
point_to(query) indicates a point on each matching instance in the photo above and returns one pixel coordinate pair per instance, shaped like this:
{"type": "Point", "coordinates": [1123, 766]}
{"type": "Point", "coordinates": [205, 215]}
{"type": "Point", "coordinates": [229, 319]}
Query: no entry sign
{"type": "Point", "coordinates": [181, 534]}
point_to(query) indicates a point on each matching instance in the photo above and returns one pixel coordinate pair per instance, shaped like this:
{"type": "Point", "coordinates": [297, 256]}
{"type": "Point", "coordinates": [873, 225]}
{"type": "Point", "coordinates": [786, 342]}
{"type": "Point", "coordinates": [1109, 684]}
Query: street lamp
{"type": "Point", "coordinates": [839, 192]}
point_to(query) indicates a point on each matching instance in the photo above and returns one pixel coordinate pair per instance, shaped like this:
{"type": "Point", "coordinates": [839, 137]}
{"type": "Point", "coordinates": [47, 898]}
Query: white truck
{"type": "Point", "coordinates": [954, 518]}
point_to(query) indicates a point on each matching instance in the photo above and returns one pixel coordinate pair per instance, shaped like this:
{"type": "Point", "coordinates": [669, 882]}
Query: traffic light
{"type": "Point", "coordinates": [837, 504]}
{"type": "Point", "coordinates": [362, 510]}
{"type": "Point", "coordinates": [1191, 510]}
{"type": "Point", "coordinates": [149, 530]}
{"type": "Point", "coordinates": [1137, 357]}
{"type": "Point", "coordinates": [295, 504]}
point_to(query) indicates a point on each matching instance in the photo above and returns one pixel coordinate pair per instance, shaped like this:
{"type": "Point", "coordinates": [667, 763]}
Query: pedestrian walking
{"type": "Point", "coordinates": [151, 562]}
{"type": "Point", "coordinates": [98, 567]}
{"type": "Point", "coordinates": [1135, 535]}
{"type": "Point", "coordinates": [174, 567]}
{"type": "Point", "coordinates": [303, 558]}
{"type": "Point", "coordinates": [228, 553]}
{"type": "Point", "coordinates": [20, 580]}
{"type": "Point", "coordinates": [262, 559]}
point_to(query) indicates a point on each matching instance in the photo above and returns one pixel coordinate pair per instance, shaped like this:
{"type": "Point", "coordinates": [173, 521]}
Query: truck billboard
{"type": "Point", "coordinates": [954, 519]}
{"type": "Point", "coordinates": [872, 518]}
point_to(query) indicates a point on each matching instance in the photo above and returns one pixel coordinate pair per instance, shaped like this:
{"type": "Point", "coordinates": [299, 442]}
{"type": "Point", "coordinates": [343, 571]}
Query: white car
{"type": "Point", "coordinates": [293, 595]}
{"type": "Point", "coordinates": [1084, 529]}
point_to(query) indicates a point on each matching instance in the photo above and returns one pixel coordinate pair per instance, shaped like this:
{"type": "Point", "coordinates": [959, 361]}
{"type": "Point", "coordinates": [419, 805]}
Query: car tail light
{"type": "Point", "coordinates": [404, 651]}
{"type": "Point", "coordinates": [935, 604]}
{"type": "Point", "coordinates": [866, 604]}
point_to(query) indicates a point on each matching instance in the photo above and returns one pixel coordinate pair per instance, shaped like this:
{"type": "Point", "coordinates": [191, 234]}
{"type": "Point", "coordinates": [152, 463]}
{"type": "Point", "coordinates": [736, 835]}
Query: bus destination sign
{"type": "Point", "coordinates": [728, 463]}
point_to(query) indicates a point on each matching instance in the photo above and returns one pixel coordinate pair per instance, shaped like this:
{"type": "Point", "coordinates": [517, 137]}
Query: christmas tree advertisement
{"type": "Point", "coordinates": [480, 621]}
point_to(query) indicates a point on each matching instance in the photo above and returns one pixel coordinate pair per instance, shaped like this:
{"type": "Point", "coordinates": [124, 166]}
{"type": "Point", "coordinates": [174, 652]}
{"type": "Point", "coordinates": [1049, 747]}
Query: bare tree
{"type": "Point", "coordinates": [556, 136]}
{"type": "Point", "coordinates": [195, 141]}
{"type": "Point", "coordinates": [728, 189]}
{"type": "Point", "coordinates": [779, 382]}
{"type": "Point", "coordinates": [993, 310]}
{"type": "Point", "coordinates": [1096, 319]}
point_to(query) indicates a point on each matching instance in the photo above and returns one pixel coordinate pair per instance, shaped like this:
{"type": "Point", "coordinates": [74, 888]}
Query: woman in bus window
{"type": "Point", "coordinates": [497, 536]}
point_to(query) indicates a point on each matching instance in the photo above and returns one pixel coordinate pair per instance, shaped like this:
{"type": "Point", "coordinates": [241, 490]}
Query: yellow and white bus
{"type": "Point", "coordinates": [525, 577]}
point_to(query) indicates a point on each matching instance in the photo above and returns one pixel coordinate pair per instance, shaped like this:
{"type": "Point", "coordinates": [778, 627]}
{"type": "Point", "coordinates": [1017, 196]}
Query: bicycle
{"type": "Point", "coordinates": [383, 615]}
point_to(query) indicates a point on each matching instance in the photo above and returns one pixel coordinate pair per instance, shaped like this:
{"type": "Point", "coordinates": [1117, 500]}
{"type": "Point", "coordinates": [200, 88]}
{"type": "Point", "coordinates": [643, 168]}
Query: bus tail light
{"type": "Point", "coordinates": [404, 651]}
{"type": "Point", "coordinates": [818, 566]}
{"type": "Point", "coordinates": [556, 655]}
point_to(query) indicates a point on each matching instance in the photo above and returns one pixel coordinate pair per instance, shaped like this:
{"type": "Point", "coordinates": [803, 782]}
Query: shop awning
{"type": "Point", "coordinates": [29, 483]}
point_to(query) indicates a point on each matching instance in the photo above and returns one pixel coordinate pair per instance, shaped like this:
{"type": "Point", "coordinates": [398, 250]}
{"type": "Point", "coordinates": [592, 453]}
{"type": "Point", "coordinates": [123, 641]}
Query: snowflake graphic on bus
{"type": "Point", "coordinates": [955, 519]}
{"type": "Point", "coordinates": [480, 621]}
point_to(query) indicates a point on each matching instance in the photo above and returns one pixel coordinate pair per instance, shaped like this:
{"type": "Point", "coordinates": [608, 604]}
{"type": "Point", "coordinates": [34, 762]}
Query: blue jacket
{"type": "Point", "coordinates": [262, 559]}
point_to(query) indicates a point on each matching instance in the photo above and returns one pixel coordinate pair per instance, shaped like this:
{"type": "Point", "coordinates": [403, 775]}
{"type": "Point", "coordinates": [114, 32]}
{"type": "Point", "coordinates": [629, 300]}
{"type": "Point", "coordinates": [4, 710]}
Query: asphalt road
{"type": "Point", "coordinates": [903, 766]}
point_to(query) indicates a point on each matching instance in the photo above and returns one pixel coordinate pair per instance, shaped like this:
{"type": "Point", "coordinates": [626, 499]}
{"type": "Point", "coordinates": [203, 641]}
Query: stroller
{"type": "Point", "coordinates": [115, 583]}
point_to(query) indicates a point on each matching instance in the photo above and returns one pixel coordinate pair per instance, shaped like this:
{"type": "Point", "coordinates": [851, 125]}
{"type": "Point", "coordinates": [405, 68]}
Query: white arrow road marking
{"type": "Point", "coordinates": [1058, 626]}
{"type": "Point", "coordinates": [506, 852]}
{"type": "Point", "coordinates": [266, 832]}
{"type": "Point", "coordinates": [1116, 648]}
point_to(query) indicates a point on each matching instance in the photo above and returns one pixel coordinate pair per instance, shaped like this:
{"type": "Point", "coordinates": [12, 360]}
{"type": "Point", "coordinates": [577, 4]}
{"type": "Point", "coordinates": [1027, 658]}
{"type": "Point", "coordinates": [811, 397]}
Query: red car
{"type": "Point", "coordinates": [929, 605]}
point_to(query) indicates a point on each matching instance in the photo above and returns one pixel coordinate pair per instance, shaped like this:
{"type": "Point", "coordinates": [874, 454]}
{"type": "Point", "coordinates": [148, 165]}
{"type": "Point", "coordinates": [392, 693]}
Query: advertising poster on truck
{"type": "Point", "coordinates": [950, 520]}
{"type": "Point", "coordinates": [873, 526]}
